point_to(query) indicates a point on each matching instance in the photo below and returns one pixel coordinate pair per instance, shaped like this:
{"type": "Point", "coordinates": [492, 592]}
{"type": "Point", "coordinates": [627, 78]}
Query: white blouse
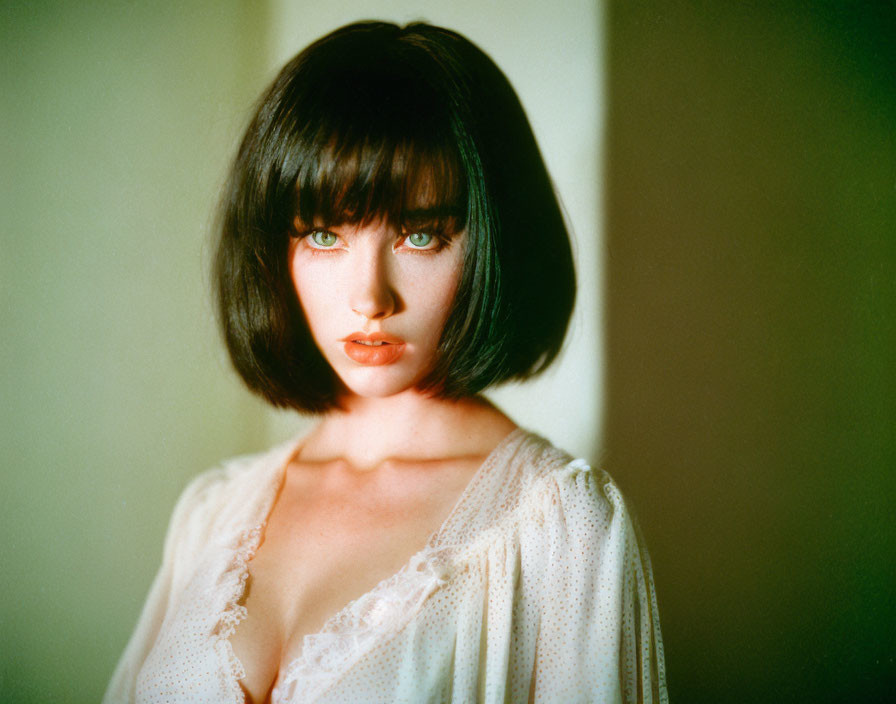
{"type": "Point", "coordinates": [536, 588]}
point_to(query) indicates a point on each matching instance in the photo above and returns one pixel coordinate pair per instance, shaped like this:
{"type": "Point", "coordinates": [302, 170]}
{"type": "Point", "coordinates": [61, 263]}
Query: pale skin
{"type": "Point", "coordinates": [372, 482]}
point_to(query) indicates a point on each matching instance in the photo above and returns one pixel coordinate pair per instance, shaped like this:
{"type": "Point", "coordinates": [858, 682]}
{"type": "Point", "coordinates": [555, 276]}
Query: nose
{"type": "Point", "coordinates": [372, 294]}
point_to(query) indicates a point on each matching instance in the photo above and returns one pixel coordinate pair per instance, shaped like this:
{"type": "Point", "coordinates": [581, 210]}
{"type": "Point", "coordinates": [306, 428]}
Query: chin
{"type": "Point", "coordinates": [380, 381]}
{"type": "Point", "coordinates": [372, 383]}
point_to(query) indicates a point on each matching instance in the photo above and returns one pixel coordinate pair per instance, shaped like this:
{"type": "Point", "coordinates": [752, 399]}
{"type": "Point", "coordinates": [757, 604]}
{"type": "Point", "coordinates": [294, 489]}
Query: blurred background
{"type": "Point", "coordinates": [750, 264]}
{"type": "Point", "coordinates": [729, 172]}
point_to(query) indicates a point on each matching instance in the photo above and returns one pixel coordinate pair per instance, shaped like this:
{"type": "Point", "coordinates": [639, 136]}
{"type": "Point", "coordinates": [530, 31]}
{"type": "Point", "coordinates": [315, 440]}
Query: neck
{"type": "Point", "coordinates": [408, 425]}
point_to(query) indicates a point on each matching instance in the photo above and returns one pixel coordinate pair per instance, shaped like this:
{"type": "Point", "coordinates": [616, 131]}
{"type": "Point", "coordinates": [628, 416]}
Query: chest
{"type": "Point", "coordinates": [326, 544]}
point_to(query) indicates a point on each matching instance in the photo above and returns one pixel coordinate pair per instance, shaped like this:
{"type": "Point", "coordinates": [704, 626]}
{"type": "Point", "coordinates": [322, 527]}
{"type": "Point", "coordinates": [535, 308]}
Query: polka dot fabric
{"type": "Point", "coordinates": [536, 588]}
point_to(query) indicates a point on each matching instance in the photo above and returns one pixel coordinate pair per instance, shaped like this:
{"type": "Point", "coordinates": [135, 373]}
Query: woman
{"type": "Point", "coordinates": [391, 246]}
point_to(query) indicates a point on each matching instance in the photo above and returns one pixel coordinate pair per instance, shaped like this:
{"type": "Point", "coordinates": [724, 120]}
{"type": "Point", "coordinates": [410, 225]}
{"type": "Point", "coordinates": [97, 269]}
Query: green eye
{"type": "Point", "coordinates": [322, 238]}
{"type": "Point", "coordinates": [420, 239]}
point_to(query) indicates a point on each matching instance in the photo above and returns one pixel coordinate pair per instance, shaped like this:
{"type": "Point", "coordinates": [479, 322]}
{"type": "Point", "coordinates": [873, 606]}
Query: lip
{"type": "Point", "coordinates": [373, 356]}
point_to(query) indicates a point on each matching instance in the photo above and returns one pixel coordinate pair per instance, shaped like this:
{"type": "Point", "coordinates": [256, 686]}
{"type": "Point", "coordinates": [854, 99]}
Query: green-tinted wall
{"type": "Point", "coordinates": [751, 332]}
{"type": "Point", "coordinates": [117, 121]}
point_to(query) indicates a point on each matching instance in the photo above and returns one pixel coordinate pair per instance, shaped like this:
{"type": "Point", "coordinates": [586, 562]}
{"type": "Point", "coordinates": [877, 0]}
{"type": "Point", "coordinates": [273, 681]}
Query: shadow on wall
{"type": "Point", "coordinates": [751, 292]}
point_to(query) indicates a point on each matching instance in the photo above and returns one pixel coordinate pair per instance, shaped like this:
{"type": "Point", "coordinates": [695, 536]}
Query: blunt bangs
{"type": "Point", "coordinates": [417, 127]}
{"type": "Point", "coordinates": [347, 179]}
{"type": "Point", "coordinates": [377, 138]}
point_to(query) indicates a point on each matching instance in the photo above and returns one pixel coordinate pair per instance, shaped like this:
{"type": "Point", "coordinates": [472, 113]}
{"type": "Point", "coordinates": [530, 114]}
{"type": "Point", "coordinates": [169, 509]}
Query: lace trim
{"type": "Point", "coordinates": [384, 611]}
{"type": "Point", "coordinates": [351, 633]}
{"type": "Point", "coordinates": [234, 580]}
{"type": "Point", "coordinates": [348, 635]}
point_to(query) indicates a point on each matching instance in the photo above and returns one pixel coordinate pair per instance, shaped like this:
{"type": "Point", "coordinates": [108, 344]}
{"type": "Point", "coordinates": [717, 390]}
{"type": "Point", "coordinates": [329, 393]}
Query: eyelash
{"type": "Point", "coordinates": [440, 241]}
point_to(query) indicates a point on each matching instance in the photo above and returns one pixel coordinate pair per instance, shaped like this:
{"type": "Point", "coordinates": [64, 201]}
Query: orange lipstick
{"type": "Point", "coordinates": [373, 350]}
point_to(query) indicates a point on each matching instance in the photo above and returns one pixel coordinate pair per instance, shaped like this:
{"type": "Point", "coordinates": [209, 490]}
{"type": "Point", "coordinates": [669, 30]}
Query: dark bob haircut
{"type": "Point", "coordinates": [352, 130]}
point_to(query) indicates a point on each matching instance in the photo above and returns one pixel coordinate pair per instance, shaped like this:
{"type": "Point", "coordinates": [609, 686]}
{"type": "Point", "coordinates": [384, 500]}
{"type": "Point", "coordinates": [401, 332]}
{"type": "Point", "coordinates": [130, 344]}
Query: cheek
{"type": "Point", "coordinates": [311, 292]}
{"type": "Point", "coordinates": [442, 291]}
{"type": "Point", "coordinates": [448, 293]}
{"type": "Point", "coordinates": [318, 310]}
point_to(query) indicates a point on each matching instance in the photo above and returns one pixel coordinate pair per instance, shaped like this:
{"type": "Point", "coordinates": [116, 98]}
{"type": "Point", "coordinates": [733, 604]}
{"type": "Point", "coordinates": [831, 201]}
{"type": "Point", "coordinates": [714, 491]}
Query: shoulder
{"type": "Point", "coordinates": [575, 518]}
{"type": "Point", "coordinates": [567, 506]}
{"type": "Point", "coordinates": [591, 582]}
{"type": "Point", "coordinates": [225, 497]}
{"type": "Point", "coordinates": [572, 485]}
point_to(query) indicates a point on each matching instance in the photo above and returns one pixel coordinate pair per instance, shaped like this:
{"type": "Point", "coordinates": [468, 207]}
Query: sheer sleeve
{"type": "Point", "coordinates": [599, 637]}
{"type": "Point", "coordinates": [186, 531]}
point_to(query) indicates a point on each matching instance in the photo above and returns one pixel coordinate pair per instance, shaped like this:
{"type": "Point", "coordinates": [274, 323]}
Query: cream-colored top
{"type": "Point", "coordinates": [536, 585]}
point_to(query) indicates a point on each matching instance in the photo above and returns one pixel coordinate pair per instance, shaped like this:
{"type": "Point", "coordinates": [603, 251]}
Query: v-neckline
{"type": "Point", "coordinates": [255, 536]}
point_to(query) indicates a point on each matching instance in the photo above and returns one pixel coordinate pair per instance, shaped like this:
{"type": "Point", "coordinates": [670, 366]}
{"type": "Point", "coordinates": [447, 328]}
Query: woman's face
{"type": "Point", "coordinates": [376, 299]}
